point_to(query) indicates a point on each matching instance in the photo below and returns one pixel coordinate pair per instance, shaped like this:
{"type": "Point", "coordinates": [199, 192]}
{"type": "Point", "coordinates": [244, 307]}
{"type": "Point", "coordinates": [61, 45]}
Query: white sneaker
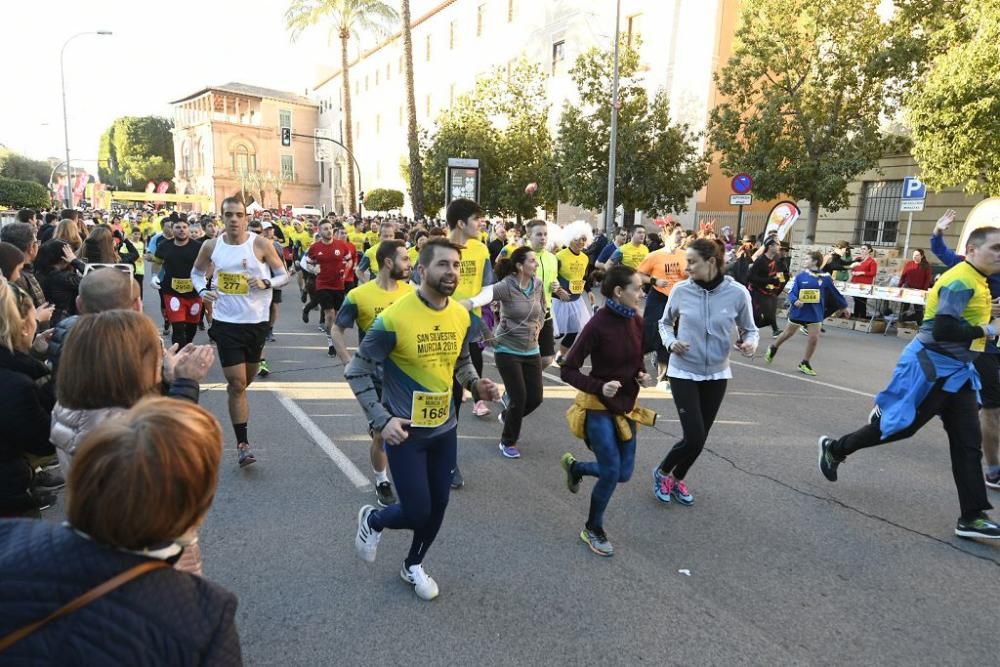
{"type": "Point", "coordinates": [366, 541]}
{"type": "Point", "coordinates": [480, 409]}
{"type": "Point", "coordinates": [425, 587]}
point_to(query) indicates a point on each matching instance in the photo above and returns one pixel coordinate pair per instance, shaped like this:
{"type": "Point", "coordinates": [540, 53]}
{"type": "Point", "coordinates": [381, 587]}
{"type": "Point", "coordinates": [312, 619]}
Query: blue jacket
{"type": "Point", "coordinates": [813, 312]}
{"type": "Point", "coordinates": [950, 258]}
{"type": "Point", "coordinates": [916, 372]}
{"type": "Point", "coordinates": [165, 617]}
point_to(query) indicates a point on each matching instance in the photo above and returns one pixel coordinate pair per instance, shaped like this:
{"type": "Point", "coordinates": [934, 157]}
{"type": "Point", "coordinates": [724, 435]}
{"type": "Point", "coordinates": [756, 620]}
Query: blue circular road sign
{"type": "Point", "coordinates": [742, 184]}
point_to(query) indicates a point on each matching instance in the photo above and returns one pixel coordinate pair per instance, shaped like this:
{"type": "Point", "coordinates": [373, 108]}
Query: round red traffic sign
{"type": "Point", "coordinates": [742, 184]}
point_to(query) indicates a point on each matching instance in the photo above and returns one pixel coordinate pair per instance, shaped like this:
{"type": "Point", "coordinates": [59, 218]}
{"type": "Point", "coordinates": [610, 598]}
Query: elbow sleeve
{"type": "Point", "coordinates": [199, 280]}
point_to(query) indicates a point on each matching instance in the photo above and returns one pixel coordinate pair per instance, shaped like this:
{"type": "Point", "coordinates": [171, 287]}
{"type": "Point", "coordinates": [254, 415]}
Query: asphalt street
{"type": "Point", "coordinates": [772, 565]}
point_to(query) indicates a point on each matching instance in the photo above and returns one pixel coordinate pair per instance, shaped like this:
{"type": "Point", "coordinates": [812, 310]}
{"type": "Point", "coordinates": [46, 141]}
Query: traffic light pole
{"type": "Point", "coordinates": [349, 153]}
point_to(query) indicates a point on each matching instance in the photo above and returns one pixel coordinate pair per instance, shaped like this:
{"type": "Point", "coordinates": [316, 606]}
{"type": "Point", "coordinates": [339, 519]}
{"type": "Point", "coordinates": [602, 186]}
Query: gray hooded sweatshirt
{"type": "Point", "coordinates": [707, 321]}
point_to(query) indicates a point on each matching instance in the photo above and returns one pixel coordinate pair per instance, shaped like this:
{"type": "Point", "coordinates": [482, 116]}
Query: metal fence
{"type": "Point", "coordinates": [754, 222]}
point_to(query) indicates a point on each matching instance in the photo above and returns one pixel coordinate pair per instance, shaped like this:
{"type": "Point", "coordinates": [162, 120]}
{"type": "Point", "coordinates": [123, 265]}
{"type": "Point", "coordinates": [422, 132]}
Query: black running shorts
{"type": "Point", "coordinates": [238, 343]}
{"type": "Point", "coordinates": [330, 299]}
{"type": "Point", "coordinates": [988, 367]}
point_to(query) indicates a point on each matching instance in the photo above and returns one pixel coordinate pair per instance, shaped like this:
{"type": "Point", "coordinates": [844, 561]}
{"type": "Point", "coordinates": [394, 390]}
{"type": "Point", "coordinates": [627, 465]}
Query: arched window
{"type": "Point", "coordinates": [243, 156]}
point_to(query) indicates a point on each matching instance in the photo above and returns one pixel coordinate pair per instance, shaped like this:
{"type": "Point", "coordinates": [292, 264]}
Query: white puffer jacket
{"type": "Point", "coordinates": [71, 427]}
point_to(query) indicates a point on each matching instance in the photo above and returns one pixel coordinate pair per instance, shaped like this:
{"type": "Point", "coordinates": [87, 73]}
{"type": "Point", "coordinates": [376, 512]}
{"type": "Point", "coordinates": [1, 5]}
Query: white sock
{"type": "Point", "coordinates": [381, 476]}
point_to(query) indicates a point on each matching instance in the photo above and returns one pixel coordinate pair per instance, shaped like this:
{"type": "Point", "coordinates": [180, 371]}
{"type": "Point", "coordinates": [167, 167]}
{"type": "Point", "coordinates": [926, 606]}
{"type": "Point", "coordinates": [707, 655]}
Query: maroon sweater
{"type": "Point", "coordinates": [614, 345]}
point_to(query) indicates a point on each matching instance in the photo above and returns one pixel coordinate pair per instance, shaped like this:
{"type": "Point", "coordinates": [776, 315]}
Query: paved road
{"type": "Point", "coordinates": [784, 567]}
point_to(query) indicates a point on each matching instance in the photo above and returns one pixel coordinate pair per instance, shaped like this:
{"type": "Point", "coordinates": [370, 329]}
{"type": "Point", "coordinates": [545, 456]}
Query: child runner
{"type": "Point", "coordinates": [807, 302]}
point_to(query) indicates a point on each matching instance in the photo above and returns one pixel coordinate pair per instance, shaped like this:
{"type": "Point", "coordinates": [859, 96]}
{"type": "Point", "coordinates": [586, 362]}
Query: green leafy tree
{"type": "Point", "coordinates": [136, 149]}
{"type": "Point", "coordinates": [804, 98]}
{"type": "Point", "coordinates": [17, 166]}
{"type": "Point", "coordinates": [345, 18]}
{"type": "Point", "coordinates": [463, 132]}
{"type": "Point", "coordinates": [503, 124]}
{"type": "Point", "coordinates": [382, 199]}
{"type": "Point", "coordinates": [107, 162]}
{"type": "Point", "coordinates": [16, 193]}
{"type": "Point", "coordinates": [659, 164]}
{"type": "Point", "coordinates": [954, 110]}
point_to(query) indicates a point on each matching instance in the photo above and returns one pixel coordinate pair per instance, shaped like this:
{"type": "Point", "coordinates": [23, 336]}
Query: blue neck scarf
{"type": "Point", "coordinates": [619, 309]}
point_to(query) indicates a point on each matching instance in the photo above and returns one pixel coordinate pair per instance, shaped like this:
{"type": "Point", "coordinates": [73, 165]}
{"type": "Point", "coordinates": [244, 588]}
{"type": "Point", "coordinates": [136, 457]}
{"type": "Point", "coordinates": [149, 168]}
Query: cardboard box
{"type": "Point", "coordinates": [906, 333]}
{"type": "Point", "coordinates": [873, 326]}
{"type": "Point", "coordinates": [840, 323]}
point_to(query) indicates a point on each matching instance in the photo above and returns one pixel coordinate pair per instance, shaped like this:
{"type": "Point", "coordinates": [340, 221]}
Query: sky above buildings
{"type": "Point", "coordinates": [160, 51]}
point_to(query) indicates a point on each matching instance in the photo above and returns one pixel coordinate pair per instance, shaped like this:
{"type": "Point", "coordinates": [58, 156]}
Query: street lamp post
{"type": "Point", "coordinates": [62, 76]}
{"type": "Point", "coordinates": [609, 219]}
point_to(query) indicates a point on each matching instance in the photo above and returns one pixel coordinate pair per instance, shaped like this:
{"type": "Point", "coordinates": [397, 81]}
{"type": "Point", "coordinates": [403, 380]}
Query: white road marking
{"type": "Point", "coordinates": [804, 379]}
{"type": "Point", "coordinates": [338, 457]}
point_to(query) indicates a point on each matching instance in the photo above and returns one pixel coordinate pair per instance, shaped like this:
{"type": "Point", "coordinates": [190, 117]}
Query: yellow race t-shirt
{"type": "Point", "coordinates": [572, 271]}
{"type": "Point", "coordinates": [632, 255]}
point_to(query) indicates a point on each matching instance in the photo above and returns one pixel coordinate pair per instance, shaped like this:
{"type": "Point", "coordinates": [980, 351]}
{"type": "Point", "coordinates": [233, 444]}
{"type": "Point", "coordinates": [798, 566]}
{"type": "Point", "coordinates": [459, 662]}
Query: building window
{"type": "Point", "coordinates": [376, 76]}
{"type": "Point", "coordinates": [401, 65]}
{"type": "Point", "coordinates": [322, 172]}
{"type": "Point", "coordinates": [427, 46]}
{"type": "Point", "coordinates": [428, 105]}
{"type": "Point", "coordinates": [243, 159]}
{"type": "Point", "coordinates": [480, 19]}
{"type": "Point", "coordinates": [285, 118]}
{"type": "Point", "coordinates": [401, 115]}
{"type": "Point", "coordinates": [558, 57]}
{"type": "Point", "coordinates": [287, 168]}
{"type": "Point", "coordinates": [378, 170]}
{"type": "Point", "coordinates": [451, 95]}
{"type": "Point", "coordinates": [388, 71]}
{"type": "Point", "coordinates": [357, 88]}
{"type": "Point", "coordinates": [366, 83]}
{"type": "Point", "coordinates": [378, 123]}
{"type": "Point", "coordinates": [451, 35]}
{"type": "Point", "coordinates": [357, 129]}
{"type": "Point", "coordinates": [511, 10]}
{"type": "Point", "coordinates": [878, 222]}
{"type": "Point", "coordinates": [634, 32]}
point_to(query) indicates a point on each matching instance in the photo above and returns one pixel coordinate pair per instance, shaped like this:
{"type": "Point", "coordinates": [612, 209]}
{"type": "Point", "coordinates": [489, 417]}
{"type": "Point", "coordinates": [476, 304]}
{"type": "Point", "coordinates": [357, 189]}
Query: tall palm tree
{"type": "Point", "coordinates": [346, 18]}
{"type": "Point", "coordinates": [416, 168]}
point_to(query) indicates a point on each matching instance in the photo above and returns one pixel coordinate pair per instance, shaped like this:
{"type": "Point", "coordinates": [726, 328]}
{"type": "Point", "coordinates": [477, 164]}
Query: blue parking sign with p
{"type": "Point", "coordinates": [913, 188]}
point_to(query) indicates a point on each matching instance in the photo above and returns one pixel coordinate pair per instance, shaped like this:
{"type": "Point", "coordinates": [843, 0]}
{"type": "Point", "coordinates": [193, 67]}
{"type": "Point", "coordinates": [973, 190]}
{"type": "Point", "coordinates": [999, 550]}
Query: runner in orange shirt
{"type": "Point", "coordinates": [661, 270]}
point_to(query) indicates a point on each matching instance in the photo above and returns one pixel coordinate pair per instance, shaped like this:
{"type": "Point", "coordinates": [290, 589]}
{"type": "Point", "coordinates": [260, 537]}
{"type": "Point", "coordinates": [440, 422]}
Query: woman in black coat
{"type": "Point", "coordinates": [59, 272]}
{"type": "Point", "coordinates": [163, 456]}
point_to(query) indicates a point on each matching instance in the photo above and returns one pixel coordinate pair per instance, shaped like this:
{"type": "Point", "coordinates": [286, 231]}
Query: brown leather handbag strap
{"type": "Point", "coordinates": [88, 597]}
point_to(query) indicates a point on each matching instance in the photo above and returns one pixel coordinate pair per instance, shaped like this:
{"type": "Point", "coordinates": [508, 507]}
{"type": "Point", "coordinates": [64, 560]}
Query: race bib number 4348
{"type": "Point", "coordinates": [809, 295]}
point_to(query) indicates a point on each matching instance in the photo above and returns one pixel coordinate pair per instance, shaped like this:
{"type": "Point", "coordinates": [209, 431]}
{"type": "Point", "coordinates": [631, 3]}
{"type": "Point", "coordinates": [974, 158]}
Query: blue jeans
{"type": "Point", "coordinates": [421, 470]}
{"type": "Point", "coordinates": [614, 465]}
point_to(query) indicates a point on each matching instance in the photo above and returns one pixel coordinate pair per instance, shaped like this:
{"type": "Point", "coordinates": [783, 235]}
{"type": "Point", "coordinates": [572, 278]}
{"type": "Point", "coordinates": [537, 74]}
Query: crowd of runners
{"type": "Point", "coordinates": [429, 300]}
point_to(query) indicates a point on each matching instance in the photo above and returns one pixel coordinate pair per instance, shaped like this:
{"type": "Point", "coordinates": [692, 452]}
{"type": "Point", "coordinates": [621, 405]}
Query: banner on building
{"type": "Point", "coordinates": [782, 217]}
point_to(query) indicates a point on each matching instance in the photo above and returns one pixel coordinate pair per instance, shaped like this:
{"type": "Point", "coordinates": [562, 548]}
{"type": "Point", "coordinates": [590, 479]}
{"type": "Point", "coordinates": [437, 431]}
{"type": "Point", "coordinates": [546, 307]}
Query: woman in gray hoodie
{"type": "Point", "coordinates": [708, 308]}
{"type": "Point", "coordinates": [522, 314]}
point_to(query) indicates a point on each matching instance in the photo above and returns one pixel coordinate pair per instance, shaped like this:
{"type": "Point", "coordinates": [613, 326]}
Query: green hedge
{"type": "Point", "coordinates": [381, 199]}
{"type": "Point", "coordinates": [23, 194]}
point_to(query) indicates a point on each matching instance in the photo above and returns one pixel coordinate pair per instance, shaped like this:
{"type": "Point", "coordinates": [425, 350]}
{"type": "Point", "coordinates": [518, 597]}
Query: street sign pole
{"type": "Point", "coordinates": [909, 228]}
{"type": "Point", "coordinates": [739, 222]}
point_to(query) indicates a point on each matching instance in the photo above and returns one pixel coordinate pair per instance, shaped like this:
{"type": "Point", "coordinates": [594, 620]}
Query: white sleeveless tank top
{"type": "Point", "coordinates": [238, 303]}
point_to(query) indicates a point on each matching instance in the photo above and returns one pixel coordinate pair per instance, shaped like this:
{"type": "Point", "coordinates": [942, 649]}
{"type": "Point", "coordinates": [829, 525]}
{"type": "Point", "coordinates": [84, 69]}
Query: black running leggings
{"type": "Point", "coordinates": [697, 404]}
{"type": "Point", "coordinates": [959, 413]}
{"type": "Point", "coordinates": [522, 378]}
